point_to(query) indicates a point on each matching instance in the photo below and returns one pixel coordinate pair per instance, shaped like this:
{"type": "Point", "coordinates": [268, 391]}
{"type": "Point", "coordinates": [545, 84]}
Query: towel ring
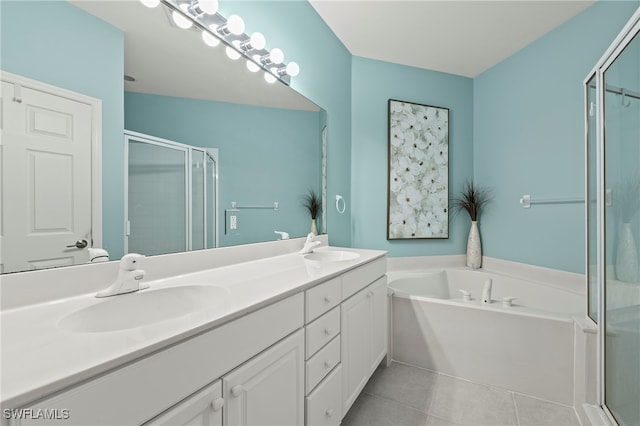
{"type": "Point", "coordinates": [344, 204]}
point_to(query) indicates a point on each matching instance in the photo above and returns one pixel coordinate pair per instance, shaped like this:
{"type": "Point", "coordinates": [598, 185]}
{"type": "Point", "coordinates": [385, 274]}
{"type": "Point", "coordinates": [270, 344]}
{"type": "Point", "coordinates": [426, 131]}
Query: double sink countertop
{"type": "Point", "coordinates": [47, 347]}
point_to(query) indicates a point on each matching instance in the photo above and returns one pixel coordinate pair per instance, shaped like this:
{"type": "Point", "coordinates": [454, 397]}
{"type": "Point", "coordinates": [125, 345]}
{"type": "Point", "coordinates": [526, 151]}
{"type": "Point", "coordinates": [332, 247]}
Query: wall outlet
{"type": "Point", "coordinates": [233, 222]}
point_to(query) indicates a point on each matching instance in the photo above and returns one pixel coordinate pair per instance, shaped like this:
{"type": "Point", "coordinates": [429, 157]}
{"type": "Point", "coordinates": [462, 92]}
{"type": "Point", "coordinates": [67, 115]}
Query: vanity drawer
{"type": "Point", "coordinates": [321, 298]}
{"type": "Point", "coordinates": [357, 279]}
{"type": "Point", "coordinates": [321, 363]}
{"type": "Point", "coordinates": [321, 331]}
{"type": "Point", "coordinates": [324, 404]}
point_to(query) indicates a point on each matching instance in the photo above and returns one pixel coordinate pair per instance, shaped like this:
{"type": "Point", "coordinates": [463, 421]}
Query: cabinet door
{"type": "Point", "coordinates": [268, 389]}
{"type": "Point", "coordinates": [379, 324]}
{"type": "Point", "coordinates": [204, 408]}
{"type": "Point", "coordinates": [364, 338]}
{"type": "Point", "coordinates": [356, 345]}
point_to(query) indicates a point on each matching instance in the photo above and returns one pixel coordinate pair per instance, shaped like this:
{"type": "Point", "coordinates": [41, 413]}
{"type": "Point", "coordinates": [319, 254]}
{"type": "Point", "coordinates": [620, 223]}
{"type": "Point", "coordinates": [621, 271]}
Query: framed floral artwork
{"type": "Point", "coordinates": [418, 190]}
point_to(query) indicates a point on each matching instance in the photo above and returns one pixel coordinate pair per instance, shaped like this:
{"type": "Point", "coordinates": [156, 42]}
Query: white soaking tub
{"type": "Point", "coordinates": [527, 347]}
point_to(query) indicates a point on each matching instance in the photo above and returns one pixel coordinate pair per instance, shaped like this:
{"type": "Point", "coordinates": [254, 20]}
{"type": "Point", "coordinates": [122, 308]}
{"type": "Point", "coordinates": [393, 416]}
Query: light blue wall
{"type": "Point", "coordinates": [529, 139]}
{"type": "Point", "coordinates": [325, 78]}
{"type": "Point", "coordinates": [373, 84]}
{"type": "Point", "coordinates": [258, 156]}
{"type": "Point", "coordinates": [40, 41]}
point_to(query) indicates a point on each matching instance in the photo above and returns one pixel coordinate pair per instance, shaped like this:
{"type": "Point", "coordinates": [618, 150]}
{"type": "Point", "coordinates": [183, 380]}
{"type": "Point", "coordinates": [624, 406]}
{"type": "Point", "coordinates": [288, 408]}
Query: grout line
{"type": "Point", "coordinates": [400, 403]}
{"type": "Point", "coordinates": [434, 395]}
{"type": "Point", "coordinates": [515, 408]}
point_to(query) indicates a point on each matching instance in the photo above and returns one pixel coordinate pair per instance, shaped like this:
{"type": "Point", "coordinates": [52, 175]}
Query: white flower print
{"type": "Point", "coordinates": [418, 176]}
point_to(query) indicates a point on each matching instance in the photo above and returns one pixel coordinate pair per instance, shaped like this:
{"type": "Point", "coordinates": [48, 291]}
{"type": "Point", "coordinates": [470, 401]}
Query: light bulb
{"type": "Point", "coordinates": [251, 66]}
{"type": "Point", "coordinates": [150, 3]}
{"type": "Point", "coordinates": [210, 7]}
{"type": "Point", "coordinates": [181, 20]}
{"type": "Point", "coordinates": [235, 25]}
{"type": "Point", "coordinates": [269, 78]}
{"type": "Point", "coordinates": [258, 42]}
{"type": "Point", "coordinates": [232, 53]}
{"type": "Point", "coordinates": [210, 40]}
{"type": "Point", "coordinates": [293, 69]}
{"type": "Point", "coordinates": [276, 56]}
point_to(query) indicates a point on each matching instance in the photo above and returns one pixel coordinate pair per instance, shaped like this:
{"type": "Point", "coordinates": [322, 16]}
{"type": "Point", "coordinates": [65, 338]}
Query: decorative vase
{"type": "Point", "coordinates": [474, 248]}
{"type": "Point", "coordinates": [314, 227]}
{"type": "Point", "coordinates": [627, 256]}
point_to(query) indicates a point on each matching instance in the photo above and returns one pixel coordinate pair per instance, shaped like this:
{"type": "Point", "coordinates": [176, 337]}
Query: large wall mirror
{"type": "Point", "coordinates": [188, 110]}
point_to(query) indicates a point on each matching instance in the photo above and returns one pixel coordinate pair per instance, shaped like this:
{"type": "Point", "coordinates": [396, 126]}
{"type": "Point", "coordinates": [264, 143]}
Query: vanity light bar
{"type": "Point", "coordinates": [230, 31]}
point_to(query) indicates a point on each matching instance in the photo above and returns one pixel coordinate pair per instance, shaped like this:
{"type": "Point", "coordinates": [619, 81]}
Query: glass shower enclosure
{"type": "Point", "coordinates": [171, 196]}
{"type": "Point", "coordinates": [612, 93]}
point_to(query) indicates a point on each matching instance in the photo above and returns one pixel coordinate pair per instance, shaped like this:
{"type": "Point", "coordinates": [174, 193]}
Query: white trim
{"type": "Point", "coordinates": [96, 142]}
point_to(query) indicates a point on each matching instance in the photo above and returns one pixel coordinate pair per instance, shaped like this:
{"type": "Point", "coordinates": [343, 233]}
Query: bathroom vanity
{"type": "Point", "coordinates": [287, 340]}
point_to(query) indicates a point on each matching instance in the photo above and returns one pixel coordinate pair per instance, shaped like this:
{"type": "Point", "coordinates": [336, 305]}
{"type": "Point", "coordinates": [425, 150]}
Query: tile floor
{"type": "Point", "coordinates": [402, 395]}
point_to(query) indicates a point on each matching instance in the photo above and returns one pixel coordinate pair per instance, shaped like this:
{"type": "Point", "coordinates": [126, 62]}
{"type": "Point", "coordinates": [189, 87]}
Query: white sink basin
{"type": "Point", "coordinates": [144, 307]}
{"type": "Point", "coordinates": [332, 256]}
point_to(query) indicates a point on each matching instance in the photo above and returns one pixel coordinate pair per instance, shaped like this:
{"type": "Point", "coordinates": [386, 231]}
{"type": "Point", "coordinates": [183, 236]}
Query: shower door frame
{"type": "Point", "coordinates": [187, 149]}
{"type": "Point", "coordinates": [624, 38]}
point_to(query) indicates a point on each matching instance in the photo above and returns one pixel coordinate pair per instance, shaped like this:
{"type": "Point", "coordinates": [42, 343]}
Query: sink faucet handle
{"type": "Point", "coordinates": [466, 296]}
{"type": "Point", "coordinates": [508, 301]}
{"type": "Point", "coordinates": [131, 261]}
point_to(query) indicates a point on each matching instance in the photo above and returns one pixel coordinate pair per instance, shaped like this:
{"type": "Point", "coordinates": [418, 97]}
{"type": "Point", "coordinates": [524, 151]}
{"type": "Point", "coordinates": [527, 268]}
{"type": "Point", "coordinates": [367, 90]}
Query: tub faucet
{"type": "Point", "coordinates": [128, 279]}
{"type": "Point", "coordinates": [486, 291]}
{"type": "Point", "coordinates": [309, 244]}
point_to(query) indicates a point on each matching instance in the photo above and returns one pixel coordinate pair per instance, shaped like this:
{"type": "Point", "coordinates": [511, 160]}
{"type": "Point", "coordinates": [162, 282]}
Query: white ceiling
{"type": "Point", "coordinates": [452, 36]}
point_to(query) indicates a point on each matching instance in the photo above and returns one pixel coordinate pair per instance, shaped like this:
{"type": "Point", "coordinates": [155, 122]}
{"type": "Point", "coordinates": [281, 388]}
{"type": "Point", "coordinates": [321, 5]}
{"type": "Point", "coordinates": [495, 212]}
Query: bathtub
{"type": "Point", "coordinates": [527, 347]}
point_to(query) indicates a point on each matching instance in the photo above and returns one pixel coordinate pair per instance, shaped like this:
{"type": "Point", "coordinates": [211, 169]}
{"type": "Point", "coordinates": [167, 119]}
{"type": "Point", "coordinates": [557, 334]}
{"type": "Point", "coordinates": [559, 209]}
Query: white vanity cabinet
{"type": "Point", "coordinates": [364, 337]}
{"type": "Point", "coordinates": [301, 360]}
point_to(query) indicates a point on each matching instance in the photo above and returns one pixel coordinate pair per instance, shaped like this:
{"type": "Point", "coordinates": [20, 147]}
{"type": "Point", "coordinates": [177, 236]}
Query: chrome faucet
{"type": "Point", "coordinates": [309, 244]}
{"type": "Point", "coordinates": [128, 279]}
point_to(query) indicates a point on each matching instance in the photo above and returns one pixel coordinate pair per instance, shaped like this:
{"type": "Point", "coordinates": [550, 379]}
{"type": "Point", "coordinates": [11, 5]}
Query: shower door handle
{"type": "Point", "coordinates": [79, 244]}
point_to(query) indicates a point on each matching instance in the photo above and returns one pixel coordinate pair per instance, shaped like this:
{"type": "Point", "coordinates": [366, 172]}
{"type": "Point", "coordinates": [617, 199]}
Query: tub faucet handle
{"type": "Point", "coordinates": [508, 301]}
{"type": "Point", "coordinates": [466, 296]}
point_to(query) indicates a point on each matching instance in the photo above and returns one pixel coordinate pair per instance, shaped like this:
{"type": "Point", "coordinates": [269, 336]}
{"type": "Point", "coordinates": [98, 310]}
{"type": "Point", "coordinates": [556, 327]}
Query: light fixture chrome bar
{"type": "Point", "coordinates": [238, 43]}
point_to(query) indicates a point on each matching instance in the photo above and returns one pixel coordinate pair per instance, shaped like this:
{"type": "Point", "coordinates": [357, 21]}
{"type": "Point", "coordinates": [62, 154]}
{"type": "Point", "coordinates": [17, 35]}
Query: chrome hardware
{"type": "Point", "coordinates": [79, 244]}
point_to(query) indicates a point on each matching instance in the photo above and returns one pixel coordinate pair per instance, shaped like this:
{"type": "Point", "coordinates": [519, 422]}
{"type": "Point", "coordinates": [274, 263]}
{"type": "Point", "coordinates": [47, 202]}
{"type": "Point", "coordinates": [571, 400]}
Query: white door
{"type": "Point", "coordinates": [46, 179]}
{"type": "Point", "coordinates": [269, 389]}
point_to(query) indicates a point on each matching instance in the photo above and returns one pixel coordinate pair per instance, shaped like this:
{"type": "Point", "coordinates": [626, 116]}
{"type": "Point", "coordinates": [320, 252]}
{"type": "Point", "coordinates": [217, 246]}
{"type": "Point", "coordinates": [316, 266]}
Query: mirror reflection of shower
{"type": "Point", "coordinates": [171, 201]}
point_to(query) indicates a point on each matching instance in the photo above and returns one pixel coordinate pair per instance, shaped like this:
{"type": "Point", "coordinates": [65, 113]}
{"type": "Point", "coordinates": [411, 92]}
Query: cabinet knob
{"type": "Point", "coordinates": [327, 299]}
{"type": "Point", "coordinates": [329, 412]}
{"type": "Point", "coordinates": [217, 404]}
{"type": "Point", "coordinates": [370, 294]}
{"type": "Point", "coordinates": [327, 331]}
{"type": "Point", "coordinates": [327, 364]}
{"type": "Point", "coordinates": [237, 390]}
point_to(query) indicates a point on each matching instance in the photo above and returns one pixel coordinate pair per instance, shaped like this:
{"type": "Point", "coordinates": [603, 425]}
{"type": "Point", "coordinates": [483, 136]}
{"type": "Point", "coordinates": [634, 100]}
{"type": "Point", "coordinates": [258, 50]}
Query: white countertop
{"type": "Point", "coordinates": [38, 357]}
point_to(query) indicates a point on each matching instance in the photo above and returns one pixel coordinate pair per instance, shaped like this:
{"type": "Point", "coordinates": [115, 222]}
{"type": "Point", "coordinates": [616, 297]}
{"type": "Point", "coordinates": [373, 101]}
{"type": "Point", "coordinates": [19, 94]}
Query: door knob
{"type": "Point", "coordinates": [79, 244]}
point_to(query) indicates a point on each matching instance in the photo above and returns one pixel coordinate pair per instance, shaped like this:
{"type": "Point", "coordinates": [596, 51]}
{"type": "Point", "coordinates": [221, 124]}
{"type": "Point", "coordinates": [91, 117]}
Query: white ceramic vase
{"type": "Point", "coordinates": [474, 248]}
{"type": "Point", "coordinates": [626, 256]}
{"type": "Point", "coordinates": [314, 227]}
